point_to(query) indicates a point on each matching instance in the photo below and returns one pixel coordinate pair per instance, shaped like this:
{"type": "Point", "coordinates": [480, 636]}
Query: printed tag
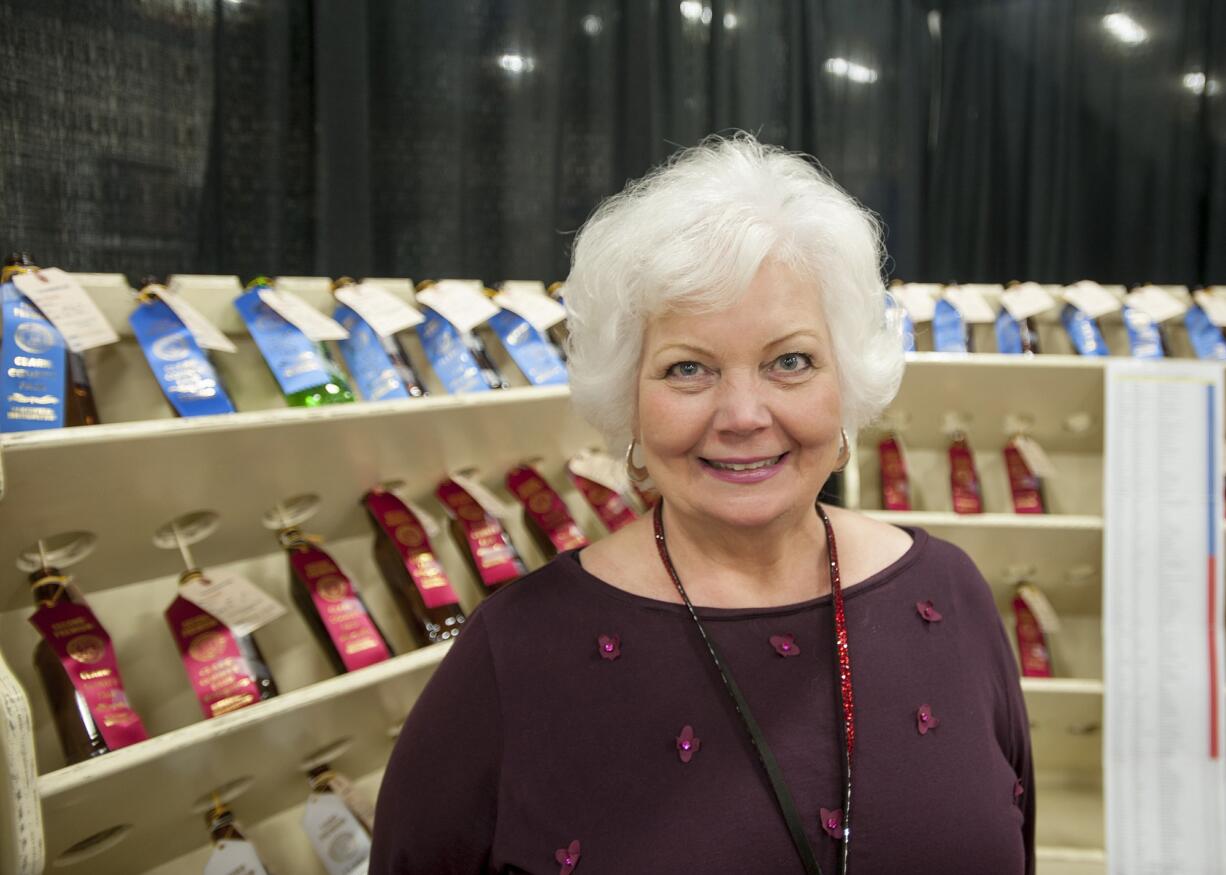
{"type": "Point", "coordinates": [1213, 302]}
{"type": "Point", "coordinates": [231, 857]}
{"type": "Point", "coordinates": [1037, 601]}
{"type": "Point", "coordinates": [600, 468]}
{"type": "Point", "coordinates": [1092, 299]}
{"type": "Point", "coordinates": [529, 301]}
{"type": "Point", "coordinates": [221, 678]}
{"type": "Point", "coordinates": [1034, 456]}
{"type": "Point", "coordinates": [1026, 300]}
{"type": "Point", "coordinates": [461, 302]}
{"type": "Point", "coordinates": [1155, 303]}
{"type": "Point", "coordinates": [336, 835]}
{"type": "Point", "coordinates": [531, 351]}
{"type": "Point", "coordinates": [241, 605]}
{"type": "Point", "coordinates": [206, 334]}
{"type": "Point", "coordinates": [918, 299]}
{"type": "Point", "coordinates": [545, 508]}
{"type": "Point", "coordinates": [492, 504]}
{"type": "Point", "coordinates": [1083, 331]}
{"type": "Point", "coordinates": [315, 325]}
{"type": "Point", "coordinates": [68, 307]}
{"type": "Point", "coordinates": [379, 308]}
{"type": "Point", "coordinates": [361, 806]}
{"type": "Point", "coordinates": [971, 304]}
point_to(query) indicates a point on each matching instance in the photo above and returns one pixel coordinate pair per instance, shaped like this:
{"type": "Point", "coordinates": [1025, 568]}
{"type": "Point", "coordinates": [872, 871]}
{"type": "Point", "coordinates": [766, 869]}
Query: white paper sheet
{"type": "Point", "coordinates": [1165, 782]}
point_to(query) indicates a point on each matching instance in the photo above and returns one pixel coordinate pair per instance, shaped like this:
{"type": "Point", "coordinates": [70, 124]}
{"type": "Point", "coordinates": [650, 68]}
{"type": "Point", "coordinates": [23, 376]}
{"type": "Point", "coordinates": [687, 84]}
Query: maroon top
{"type": "Point", "coordinates": [556, 728]}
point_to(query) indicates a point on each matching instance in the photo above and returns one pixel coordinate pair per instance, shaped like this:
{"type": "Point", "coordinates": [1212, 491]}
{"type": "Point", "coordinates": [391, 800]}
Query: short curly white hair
{"type": "Point", "coordinates": [693, 233]}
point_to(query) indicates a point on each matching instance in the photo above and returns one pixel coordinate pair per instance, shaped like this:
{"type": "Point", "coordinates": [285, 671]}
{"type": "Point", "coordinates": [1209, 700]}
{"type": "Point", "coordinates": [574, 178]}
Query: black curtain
{"type": "Point", "coordinates": [997, 139]}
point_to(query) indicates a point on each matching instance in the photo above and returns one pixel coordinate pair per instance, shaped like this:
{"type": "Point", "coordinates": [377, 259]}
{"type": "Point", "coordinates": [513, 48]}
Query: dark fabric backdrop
{"type": "Point", "coordinates": [997, 139]}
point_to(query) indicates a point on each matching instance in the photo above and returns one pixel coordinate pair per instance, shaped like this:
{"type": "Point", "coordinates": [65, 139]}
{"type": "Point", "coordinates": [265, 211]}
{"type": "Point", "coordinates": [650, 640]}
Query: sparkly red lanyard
{"type": "Point", "coordinates": [846, 703]}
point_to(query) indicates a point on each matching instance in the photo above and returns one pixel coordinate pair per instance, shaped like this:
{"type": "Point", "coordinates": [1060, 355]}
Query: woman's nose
{"type": "Point", "coordinates": [741, 405]}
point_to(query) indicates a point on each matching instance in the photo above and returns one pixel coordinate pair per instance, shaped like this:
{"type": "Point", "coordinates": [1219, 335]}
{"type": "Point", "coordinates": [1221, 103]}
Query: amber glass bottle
{"type": "Point", "coordinates": [79, 406]}
{"type": "Point", "coordinates": [331, 606]}
{"type": "Point", "coordinates": [79, 735]}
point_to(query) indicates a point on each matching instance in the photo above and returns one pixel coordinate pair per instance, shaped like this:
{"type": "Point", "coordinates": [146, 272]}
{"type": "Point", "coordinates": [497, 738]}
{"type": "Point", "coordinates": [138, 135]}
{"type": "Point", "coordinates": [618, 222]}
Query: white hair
{"type": "Point", "coordinates": [693, 233]}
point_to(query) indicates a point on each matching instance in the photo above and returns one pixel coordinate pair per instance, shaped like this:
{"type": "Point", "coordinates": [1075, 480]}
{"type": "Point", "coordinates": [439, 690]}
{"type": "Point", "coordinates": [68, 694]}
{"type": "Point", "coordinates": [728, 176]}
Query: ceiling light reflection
{"type": "Point", "coordinates": [1125, 28]}
{"type": "Point", "coordinates": [851, 70]}
{"type": "Point", "coordinates": [516, 64]}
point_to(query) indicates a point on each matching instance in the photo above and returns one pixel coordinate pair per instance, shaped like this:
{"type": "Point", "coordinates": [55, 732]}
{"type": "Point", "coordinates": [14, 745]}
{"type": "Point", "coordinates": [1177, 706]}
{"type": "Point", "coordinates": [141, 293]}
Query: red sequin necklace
{"type": "Point", "coordinates": [847, 724]}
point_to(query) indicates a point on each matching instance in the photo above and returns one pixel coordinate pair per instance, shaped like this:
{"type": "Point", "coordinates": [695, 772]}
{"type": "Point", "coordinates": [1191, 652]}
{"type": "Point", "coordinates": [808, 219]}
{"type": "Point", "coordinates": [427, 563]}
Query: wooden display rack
{"type": "Point", "coordinates": [122, 482]}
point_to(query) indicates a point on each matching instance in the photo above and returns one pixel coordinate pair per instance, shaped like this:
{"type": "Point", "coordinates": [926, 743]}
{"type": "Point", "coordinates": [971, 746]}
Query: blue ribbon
{"type": "Point", "coordinates": [1083, 332]}
{"type": "Point", "coordinates": [35, 360]}
{"type": "Point", "coordinates": [1008, 334]}
{"type": "Point", "coordinates": [455, 366]}
{"type": "Point", "coordinates": [181, 367]}
{"type": "Point", "coordinates": [295, 359]}
{"type": "Point", "coordinates": [367, 358]}
{"type": "Point", "coordinates": [1205, 336]}
{"type": "Point", "coordinates": [534, 354]}
{"type": "Point", "coordinates": [948, 329]}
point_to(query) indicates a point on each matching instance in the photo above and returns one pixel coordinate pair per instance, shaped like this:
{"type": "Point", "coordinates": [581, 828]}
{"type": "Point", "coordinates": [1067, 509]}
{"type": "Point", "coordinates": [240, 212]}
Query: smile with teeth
{"type": "Point", "coordinates": [745, 466]}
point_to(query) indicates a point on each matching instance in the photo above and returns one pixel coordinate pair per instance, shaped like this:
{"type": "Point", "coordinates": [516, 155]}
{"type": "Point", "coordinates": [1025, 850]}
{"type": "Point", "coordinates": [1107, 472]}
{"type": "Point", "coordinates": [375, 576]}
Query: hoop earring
{"type": "Point", "coordinates": [635, 472]}
{"type": "Point", "coordinates": [844, 453]}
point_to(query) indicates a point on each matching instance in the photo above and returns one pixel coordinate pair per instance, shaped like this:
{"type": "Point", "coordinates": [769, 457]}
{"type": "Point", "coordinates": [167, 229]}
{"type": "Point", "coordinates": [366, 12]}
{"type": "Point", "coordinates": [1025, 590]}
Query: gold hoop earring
{"type": "Point", "coordinates": [635, 472]}
{"type": "Point", "coordinates": [844, 453]}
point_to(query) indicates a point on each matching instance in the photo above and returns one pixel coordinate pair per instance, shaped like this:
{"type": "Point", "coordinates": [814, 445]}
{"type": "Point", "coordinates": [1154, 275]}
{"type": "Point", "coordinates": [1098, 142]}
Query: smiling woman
{"type": "Point", "coordinates": [691, 693]}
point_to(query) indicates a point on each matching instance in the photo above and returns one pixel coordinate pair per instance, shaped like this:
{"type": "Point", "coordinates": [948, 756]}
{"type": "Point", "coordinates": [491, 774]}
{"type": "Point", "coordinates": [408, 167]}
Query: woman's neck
{"type": "Point", "coordinates": [720, 565]}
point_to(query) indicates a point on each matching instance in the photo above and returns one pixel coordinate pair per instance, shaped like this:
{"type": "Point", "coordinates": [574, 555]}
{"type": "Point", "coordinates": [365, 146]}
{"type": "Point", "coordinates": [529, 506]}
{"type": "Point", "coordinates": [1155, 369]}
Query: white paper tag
{"type": "Point", "coordinates": [493, 505]}
{"type": "Point", "coordinates": [1155, 303]}
{"type": "Point", "coordinates": [601, 468]}
{"type": "Point", "coordinates": [1033, 455]}
{"type": "Point", "coordinates": [1025, 300]}
{"type": "Point", "coordinates": [379, 308]}
{"type": "Point", "coordinates": [970, 304]}
{"type": "Point", "coordinates": [460, 302]}
{"type": "Point", "coordinates": [339, 840]}
{"type": "Point", "coordinates": [918, 299]}
{"type": "Point", "coordinates": [529, 301]}
{"type": "Point", "coordinates": [1092, 299]}
{"type": "Point", "coordinates": [1213, 302]}
{"type": "Point", "coordinates": [358, 803]}
{"type": "Point", "coordinates": [68, 307]}
{"type": "Point", "coordinates": [1040, 607]}
{"type": "Point", "coordinates": [206, 334]}
{"type": "Point", "coordinates": [428, 521]}
{"type": "Point", "coordinates": [234, 600]}
{"type": "Point", "coordinates": [231, 857]}
{"type": "Point", "coordinates": [315, 325]}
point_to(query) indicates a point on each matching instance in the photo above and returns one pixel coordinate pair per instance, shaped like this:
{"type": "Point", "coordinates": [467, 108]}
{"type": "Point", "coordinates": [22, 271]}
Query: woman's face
{"type": "Point", "coordinates": [739, 409]}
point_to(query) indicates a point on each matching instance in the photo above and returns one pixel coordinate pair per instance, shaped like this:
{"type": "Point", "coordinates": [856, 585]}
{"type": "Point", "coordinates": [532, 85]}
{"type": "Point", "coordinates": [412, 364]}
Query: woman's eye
{"type": "Point", "coordinates": [793, 362]}
{"type": "Point", "coordinates": [685, 370]}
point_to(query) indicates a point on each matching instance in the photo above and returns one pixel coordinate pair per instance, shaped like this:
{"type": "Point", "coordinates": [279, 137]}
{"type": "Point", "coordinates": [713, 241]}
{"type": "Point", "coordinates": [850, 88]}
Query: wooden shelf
{"type": "Point", "coordinates": [1066, 718]}
{"type": "Point", "coordinates": [153, 786]}
{"type": "Point", "coordinates": [122, 482]}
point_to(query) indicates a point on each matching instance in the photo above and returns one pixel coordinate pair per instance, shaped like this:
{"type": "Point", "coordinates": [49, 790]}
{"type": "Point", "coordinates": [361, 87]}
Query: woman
{"type": "Point", "coordinates": [728, 328]}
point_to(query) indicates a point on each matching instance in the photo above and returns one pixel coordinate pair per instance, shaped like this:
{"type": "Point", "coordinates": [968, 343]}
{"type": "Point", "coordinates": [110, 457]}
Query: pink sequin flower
{"type": "Point", "coordinates": [687, 743]}
{"type": "Point", "coordinates": [610, 646]}
{"type": "Point", "coordinates": [928, 612]}
{"type": "Point", "coordinates": [785, 645]}
{"type": "Point", "coordinates": [832, 822]}
{"type": "Point", "coordinates": [568, 857]}
{"type": "Point", "coordinates": [1018, 790]}
{"type": "Point", "coordinates": [925, 719]}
